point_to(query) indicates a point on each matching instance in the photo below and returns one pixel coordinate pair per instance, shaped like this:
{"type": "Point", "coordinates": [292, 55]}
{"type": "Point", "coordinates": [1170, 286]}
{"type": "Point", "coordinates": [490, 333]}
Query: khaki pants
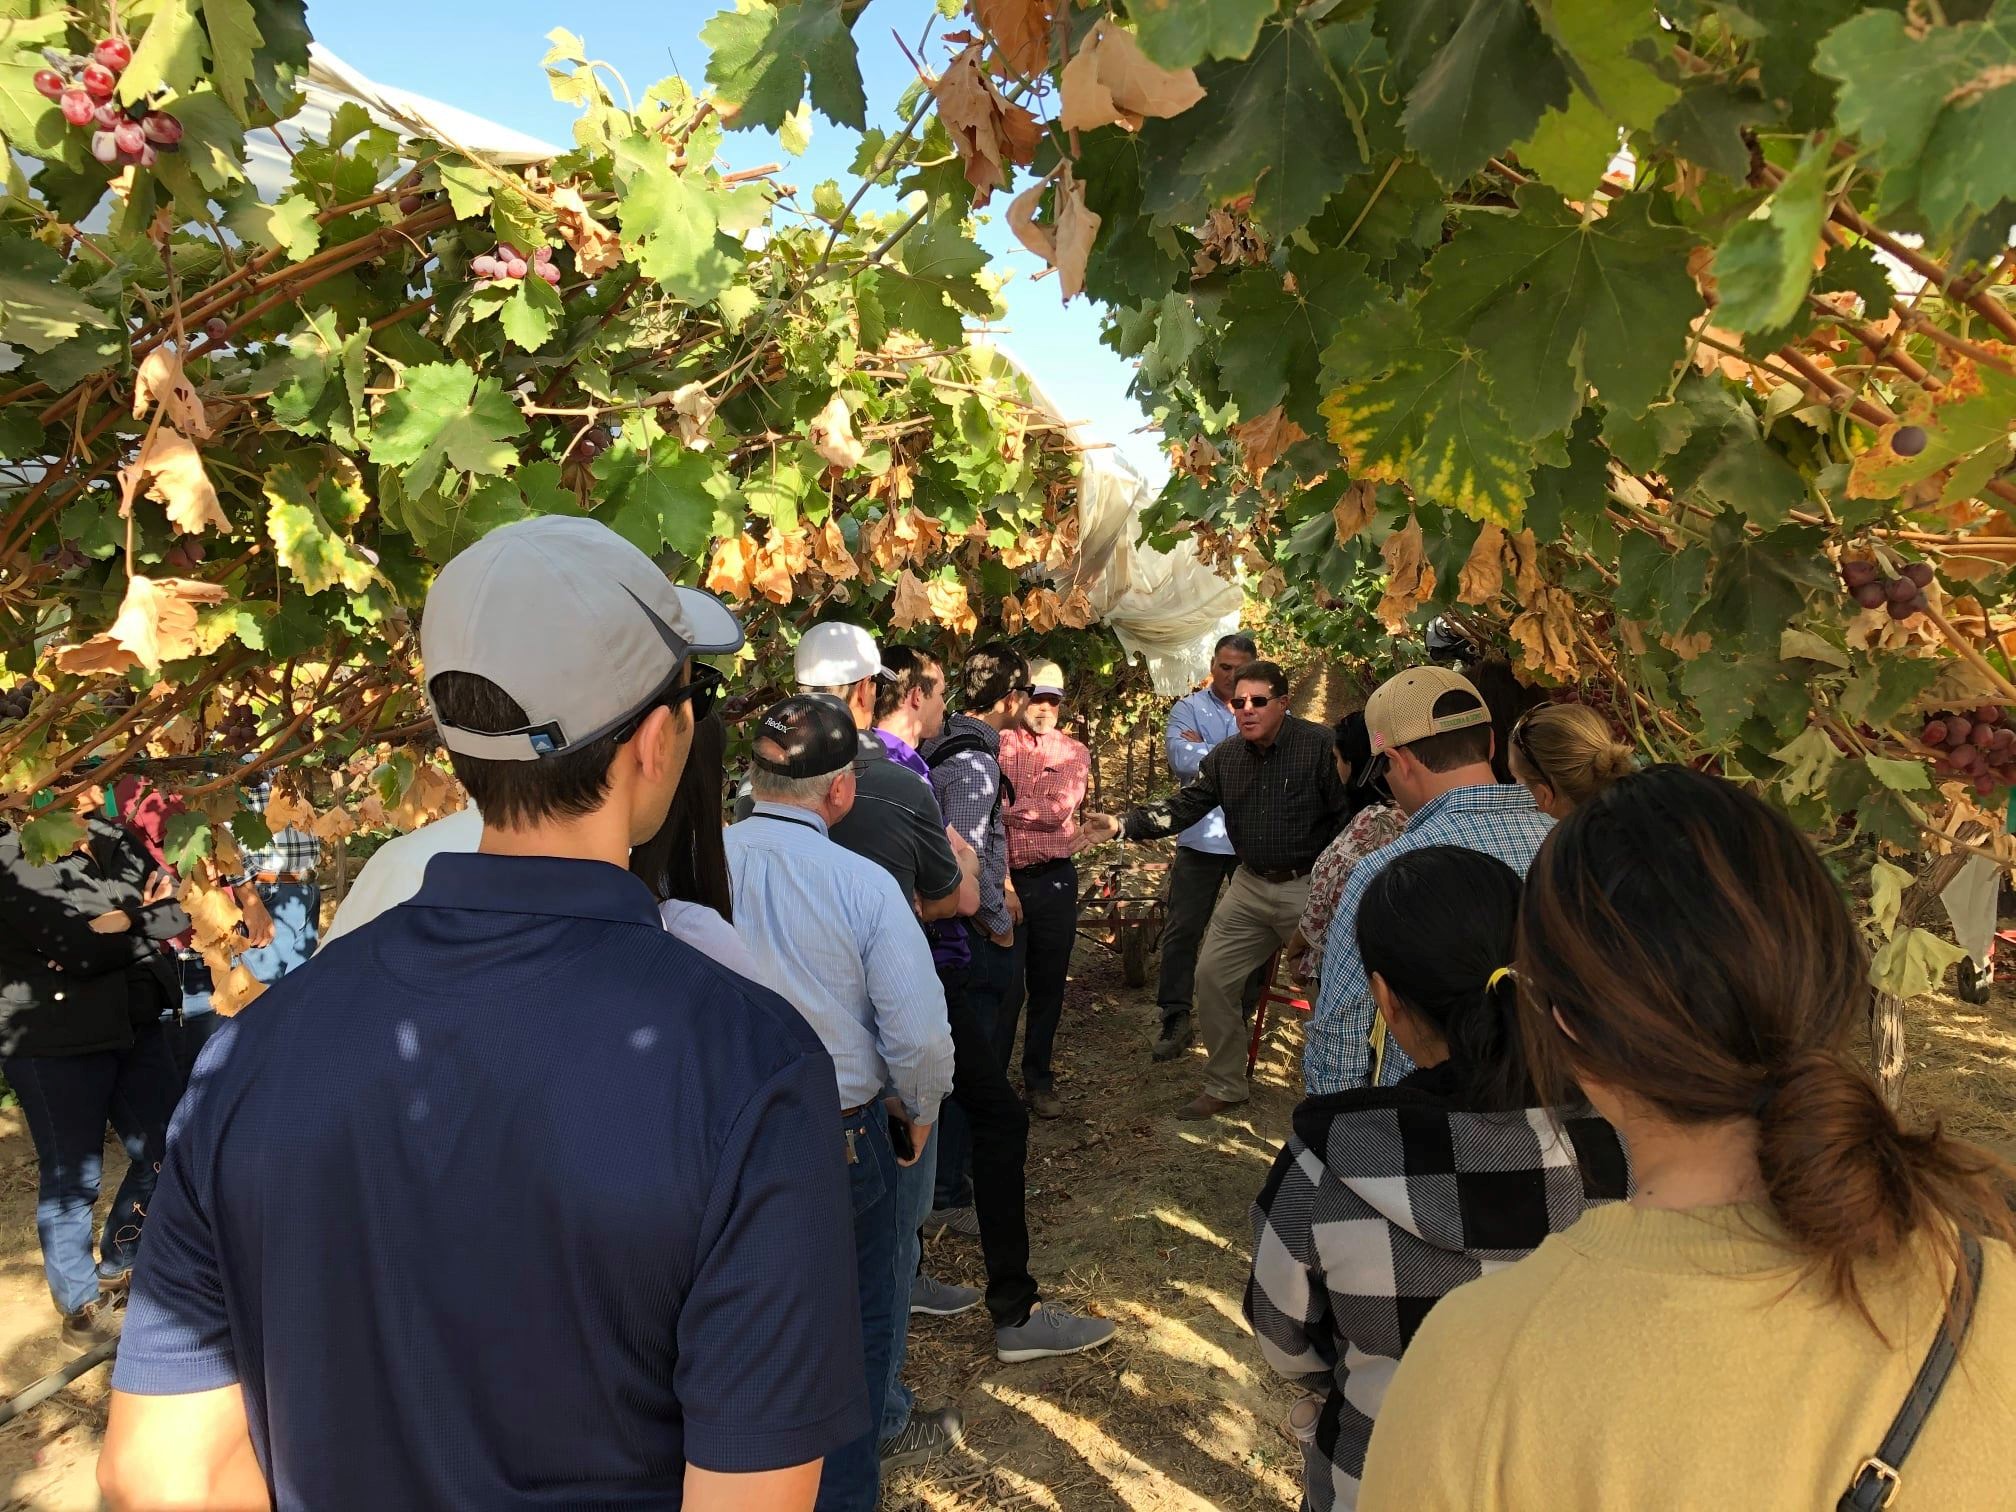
{"type": "Point", "coordinates": [1253, 919]}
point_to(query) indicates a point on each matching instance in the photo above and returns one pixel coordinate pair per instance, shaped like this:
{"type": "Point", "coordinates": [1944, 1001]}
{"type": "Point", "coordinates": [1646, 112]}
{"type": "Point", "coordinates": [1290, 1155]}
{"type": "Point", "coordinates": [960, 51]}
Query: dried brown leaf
{"type": "Point", "coordinates": [1409, 578]}
{"type": "Point", "coordinates": [831, 433]}
{"type": "Point", "coordinates": [1263, 439]}
{"type": "Point", "coordinates": [990, 134]}
{"type": "Point", "coordinates": [1021, 32]}
{"type": "Point", "coordinates": [171, 469]}
{"type": "Point", "coordinates": [734, 562]}
{"type": "Point", "coordinates": [162, 381]}
{"type": "Point", "coordinates": [597, 249]}
{"type": "Point", "coordinates": [910, 606]}
{"type": "Point", "coordinates": [1483, 576]}
{"type": "Point", "coordinates": [1354, 509]}
{"type": "Point", "coordinates": [1545, 634]}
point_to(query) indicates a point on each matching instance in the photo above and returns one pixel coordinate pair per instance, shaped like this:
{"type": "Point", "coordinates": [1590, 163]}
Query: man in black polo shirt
{"type": "Point", "coordinates": [1277, 782]}
{"type": "Point", "coordinates": [509, 1199]}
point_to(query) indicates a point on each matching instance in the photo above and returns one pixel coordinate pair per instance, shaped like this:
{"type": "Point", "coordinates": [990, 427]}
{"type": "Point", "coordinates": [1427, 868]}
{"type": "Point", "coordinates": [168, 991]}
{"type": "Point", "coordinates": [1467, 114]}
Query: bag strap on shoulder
{"type": "Point", "coordinates": [1877, 1479]}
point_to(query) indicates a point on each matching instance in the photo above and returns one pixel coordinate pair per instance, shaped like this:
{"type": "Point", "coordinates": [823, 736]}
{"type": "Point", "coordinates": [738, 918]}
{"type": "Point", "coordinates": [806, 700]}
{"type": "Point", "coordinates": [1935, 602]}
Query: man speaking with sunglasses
{"type": "Point", "coordinates": [1283, 803]}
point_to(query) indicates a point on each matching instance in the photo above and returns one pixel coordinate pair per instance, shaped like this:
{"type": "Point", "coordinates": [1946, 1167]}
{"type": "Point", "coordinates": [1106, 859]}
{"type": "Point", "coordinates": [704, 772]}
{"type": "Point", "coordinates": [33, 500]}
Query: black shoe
{"type": "Point", "coordinates": [926, 1436]}
{"type": "Point", "coordinates": [90, 1326]}
{"type": "Point", "coordinates": [1178, 1035]}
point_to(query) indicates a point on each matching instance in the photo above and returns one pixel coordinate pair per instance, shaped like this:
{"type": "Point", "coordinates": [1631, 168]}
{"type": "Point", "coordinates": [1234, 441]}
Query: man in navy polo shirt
{"type": "Point", "coordinates": [509, 1199]}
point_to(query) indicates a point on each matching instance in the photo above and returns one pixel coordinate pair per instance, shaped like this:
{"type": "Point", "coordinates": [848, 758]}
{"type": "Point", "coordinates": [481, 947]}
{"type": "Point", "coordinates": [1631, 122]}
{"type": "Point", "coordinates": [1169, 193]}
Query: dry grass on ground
{"type": "Point", "coordinates": [1134, 1216]}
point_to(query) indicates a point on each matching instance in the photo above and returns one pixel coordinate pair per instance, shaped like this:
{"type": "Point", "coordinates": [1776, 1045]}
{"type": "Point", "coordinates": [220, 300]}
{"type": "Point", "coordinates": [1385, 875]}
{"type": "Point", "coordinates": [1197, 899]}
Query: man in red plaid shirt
{"type": "Point", "coordinates": [1049, 772]}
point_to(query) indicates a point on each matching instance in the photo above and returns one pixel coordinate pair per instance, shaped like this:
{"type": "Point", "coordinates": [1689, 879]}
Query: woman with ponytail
{"type": "Point", "coordinates": [1387, 1198]}
{"type": "Point", "coordinates": [1564, 755]}
{"type": "Point", "coordinates": [1746, 1331]}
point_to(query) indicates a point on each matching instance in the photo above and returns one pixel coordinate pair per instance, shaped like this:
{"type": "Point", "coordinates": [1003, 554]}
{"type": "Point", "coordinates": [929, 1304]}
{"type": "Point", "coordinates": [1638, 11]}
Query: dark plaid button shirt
{"type": "Point", "coordinates": [1282, 805]}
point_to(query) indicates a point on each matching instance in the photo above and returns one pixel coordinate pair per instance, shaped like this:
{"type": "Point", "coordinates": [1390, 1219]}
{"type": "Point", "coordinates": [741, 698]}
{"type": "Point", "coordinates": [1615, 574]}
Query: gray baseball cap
{"type": "Point", "coordinates": [575, 623]}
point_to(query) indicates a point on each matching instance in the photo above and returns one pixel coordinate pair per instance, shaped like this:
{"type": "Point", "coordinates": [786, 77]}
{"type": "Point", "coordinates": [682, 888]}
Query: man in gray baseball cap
{"type": "Point", "coordinates": [514, 1095]}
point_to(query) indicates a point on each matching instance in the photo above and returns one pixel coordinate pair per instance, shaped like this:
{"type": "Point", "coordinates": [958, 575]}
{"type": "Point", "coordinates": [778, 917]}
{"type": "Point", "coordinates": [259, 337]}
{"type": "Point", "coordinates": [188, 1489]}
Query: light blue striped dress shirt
{"type": "Point", "coordinates": [1499, 820]}
{"type": "Point", "coordinates": [1202, 713]}
{"type": "Point", "coordinates": [833, 935]}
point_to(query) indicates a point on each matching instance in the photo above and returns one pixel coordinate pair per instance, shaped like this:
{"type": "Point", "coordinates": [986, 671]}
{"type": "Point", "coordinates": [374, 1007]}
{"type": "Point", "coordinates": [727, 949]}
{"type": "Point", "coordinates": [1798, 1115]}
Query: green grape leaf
{"type": "Point", "coordinates": [1763, 267]}
{"type": "Point", "coordinates": [1912, 962]}
{"type": "Point", "coordinates": [37, 310]}
{"type": "Point", "coordinates": [29, 123]}
{"type": "Point", "coordinates": [1759, 586]}
{"type": "Point", "coordinates": [1133, 259]}
{"type": "Point", "coordinates": [531, 314]}
{"type": "Point", "coordinates": [441, 415]}
{"type": "Point", "coordinates": [1658, 585]}
{"type": "Point", "coordinates": [1557, 302]}
{"type": "Point", "coordinates": [1183, 33]}
{"type": "Point", "coordinates": [235, 40]}
{"type": "Point", "coordinates": [1855, 269]}
{"type": "Point", "coordinates": [469, 189]}
{"type": "Point", "coordinates": [762, 53]}
{"type": "Point", "coordinates": [1705, 125]}
{"type": "Point", "coordinates": [444, 526]}
{"type": "Point", "coordinates": [186, 839]}
{"type": "Point", "coordinates": [1484, 91]}
{"type": "Point", "coordinates": [1727, 691]}
{"type": "Point", "coordinates": [51, 835]}
{"type": "Point", "coordinates": [1725, 459]}
{"type": "Point", "coordinates": [1879, 693]}
{"type": "Point", "coordinates": [1808, 760]}
{"type": "Point", "coordinates": [1899, 776]}
{"type": "Point", "coordinates": [658, 497]}
{"type": "Point", "coordinates": [1430, 422]}
{"type": "Point", "coordinates": [1604, 41]}
{"type": "Point", "coordinates": [1279, 125]}
{"type": "Point", "coordinates": [170, 54]}
{"type": "Point", "coordinates": [289, 224]}
{"type": "Point", "coordinates": [308, 546]}
{"type": "Point", "coordinates": [1271, 348]}
{"type": "Point", "coordinates": [1571, 148]}
{"type": "Point", "coordinates": [674, 218]}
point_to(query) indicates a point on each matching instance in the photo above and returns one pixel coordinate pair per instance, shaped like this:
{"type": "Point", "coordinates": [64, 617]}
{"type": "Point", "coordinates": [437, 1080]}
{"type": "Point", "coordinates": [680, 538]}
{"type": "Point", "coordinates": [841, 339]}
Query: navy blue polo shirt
{"type": "Point", "coordinates": [508, 1200]}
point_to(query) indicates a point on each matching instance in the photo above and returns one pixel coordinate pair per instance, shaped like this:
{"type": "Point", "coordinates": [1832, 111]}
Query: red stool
{"type": "Point", "coordinates": [1270, 995]}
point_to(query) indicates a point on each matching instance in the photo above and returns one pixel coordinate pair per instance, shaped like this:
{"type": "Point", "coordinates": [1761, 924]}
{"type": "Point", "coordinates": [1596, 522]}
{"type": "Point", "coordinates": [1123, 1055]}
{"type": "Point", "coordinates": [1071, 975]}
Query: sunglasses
{"type": "Point", "coordinates": [702, 689]}
{"type": "Point", "coordinates": [1053, 699]}
{"type": "Point", "coordinates": [1252, 701]}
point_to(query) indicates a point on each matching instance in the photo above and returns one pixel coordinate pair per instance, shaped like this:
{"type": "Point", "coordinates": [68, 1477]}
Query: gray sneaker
{"type": "Point", "coordinates": [1050, 1332]}
{"type": "Point", "coordinates": [926, 1436]}
{"type": "Point", "coordinates": [962, 1221]}
{"type": "Point", "coordinates": [941, 1299]}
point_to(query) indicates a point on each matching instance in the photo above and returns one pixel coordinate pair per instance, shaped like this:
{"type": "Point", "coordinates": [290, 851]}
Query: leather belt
{"type": "Point", "coordinates": [856, 1111]}
{"type": "Point", "coordinates": [1280, 874]}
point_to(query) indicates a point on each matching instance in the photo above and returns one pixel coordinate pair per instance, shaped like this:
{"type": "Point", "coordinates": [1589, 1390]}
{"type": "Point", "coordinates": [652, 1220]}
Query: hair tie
{"type": "Point", "coordinates": [1502, 974]}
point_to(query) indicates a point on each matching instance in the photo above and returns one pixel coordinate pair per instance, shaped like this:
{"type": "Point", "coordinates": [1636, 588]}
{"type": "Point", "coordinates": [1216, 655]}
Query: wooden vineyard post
{"type": "Point", "coordinates": [1886, 1010]}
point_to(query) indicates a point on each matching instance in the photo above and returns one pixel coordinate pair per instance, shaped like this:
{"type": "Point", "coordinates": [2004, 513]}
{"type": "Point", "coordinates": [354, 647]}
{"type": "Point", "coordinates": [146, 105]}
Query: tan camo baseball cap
{"type": "Point", "coordinates": [1401, 710]}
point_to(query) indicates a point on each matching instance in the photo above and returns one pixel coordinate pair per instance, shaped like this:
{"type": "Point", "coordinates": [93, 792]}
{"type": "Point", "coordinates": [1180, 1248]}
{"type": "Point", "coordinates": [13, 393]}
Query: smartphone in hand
{"type": "Point", "coordinates": [899, 1137]}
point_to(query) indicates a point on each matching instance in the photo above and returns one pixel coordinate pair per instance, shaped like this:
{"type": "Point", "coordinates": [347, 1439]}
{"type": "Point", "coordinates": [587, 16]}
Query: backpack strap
{"type": "Point", "coordinates": [961, 742]}
{"type": "Point", "coordinates": [1875, 1484]}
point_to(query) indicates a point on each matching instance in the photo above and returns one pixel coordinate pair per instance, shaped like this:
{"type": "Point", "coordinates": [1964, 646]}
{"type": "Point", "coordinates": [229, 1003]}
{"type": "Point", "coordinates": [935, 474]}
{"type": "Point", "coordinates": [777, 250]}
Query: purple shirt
{"type": "Point", "coordinates": [948, 945]}
{"type": "Point", "coordinates": [904, 754]}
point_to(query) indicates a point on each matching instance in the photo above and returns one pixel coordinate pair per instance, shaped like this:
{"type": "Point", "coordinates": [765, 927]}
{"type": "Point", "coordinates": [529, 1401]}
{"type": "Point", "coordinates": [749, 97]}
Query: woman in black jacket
{"type": "Point", "coordinates": [83, 983]}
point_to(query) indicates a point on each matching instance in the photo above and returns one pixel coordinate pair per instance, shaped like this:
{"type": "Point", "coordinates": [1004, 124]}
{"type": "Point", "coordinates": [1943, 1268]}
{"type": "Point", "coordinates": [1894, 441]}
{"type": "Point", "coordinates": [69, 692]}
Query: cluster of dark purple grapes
{"type": "Point", "coordinates": [1977, 747]}
{"type": "Point", "coordinates": [239, 727]}
{"type": "Point", "coordinates": [83, 88]}
{"type": "Point", "coordinates": [594, 441]}
{"type": "Point", "coordinates": [504, 265]}
{"type": "Point", "coordinates": [18, 700]}
{"type": "Point", "coordinates": [1903, 595]}
{"type": "Point", "coordinates": [186, 554]}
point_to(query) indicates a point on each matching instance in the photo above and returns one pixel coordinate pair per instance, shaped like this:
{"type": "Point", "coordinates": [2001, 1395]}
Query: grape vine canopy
{"type": "Point", "coordinates": [1671, 345]}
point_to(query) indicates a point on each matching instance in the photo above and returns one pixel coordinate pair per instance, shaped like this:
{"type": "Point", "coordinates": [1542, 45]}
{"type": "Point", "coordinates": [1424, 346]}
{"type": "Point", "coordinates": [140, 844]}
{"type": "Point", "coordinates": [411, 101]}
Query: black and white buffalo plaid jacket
{"type": "Point", "coordinates": [1384, 1201]}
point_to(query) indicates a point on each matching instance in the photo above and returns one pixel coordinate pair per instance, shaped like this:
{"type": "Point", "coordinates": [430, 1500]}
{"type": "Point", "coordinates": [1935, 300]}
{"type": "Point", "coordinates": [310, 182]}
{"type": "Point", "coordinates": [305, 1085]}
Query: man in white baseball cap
{"type": "Point", "coordinates": [513, 1096]}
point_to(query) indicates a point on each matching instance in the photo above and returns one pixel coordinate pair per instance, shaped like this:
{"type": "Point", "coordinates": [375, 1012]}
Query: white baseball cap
{"type": "Point", "coordinates": [575, 623]}
{"type": "Point", "coordinates": [837, 655]}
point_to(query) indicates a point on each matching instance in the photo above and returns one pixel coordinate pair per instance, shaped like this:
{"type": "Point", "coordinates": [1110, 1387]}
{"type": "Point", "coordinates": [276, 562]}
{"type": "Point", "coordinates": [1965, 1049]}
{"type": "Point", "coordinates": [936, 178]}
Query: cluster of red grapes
{"type": "Point", "coordinates": [505, 265]}
{"type": "Point", "coordinates": [1903, 595]}
{"type": "Point", "coordinates": [84, 87]}
{"type": "Point", "coordinates": [186, 554]}
{"type": "Point", "coordinates": [412, 198]}
{"type": "Point", "coordinates": [1977, 747]}
{"type": "Point", "coordinates": [17, 701]}
{"type": "Point", "coordinates": [594, 441]}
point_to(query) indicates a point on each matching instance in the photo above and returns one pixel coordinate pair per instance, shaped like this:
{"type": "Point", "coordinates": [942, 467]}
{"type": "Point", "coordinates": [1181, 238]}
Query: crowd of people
{"type": "Point", "coordinates": [527, 1188]}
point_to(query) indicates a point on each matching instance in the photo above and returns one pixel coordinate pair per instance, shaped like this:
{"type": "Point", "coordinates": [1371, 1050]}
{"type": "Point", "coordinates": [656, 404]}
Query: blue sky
{"type": "Point", "coordinates": [485, 58]}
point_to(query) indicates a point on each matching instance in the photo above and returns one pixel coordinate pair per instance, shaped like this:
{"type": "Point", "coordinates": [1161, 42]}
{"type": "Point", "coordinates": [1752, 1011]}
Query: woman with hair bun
{"type": "Point", "coordinates": [1745, 1331]}
{"type": "Point", "coordinates": [1386, 1198]}
{"type": "Point", "coordinates": [1564, 755]}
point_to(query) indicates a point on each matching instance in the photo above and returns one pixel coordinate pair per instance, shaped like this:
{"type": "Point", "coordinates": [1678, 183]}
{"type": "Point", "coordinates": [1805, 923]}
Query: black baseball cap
{"type": "Point", "coordinates": [815, 731]}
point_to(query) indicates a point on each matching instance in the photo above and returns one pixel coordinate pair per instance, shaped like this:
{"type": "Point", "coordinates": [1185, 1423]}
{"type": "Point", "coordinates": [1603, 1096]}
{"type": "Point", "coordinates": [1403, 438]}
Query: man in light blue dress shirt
{"type": "Point", "coordinates": [832, 933]}
{"type": "Point", "coordinates": [1204, 860]}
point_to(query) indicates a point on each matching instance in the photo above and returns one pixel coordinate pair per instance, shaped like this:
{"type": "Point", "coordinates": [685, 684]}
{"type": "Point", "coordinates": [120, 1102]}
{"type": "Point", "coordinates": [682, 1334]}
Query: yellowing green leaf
{"type": "Point", "coordinates": [235, 40]}
{"type": "Point", "coordinates": [1912, 963]}
{"type": "Point", "coordinates": [531, 313]}
{"type": "Point", "coordinates": [51, 834]}
{"type": "Point", "coordinates": [1430, 422]}
{"type": "Point", "coordinates": [303, 539]}
{"type": "Point", "coordinates": [1886, 894]}
{"type": "Point", "coordinates": [170, 54]}
{"type": "Point", "coordinates": [1763, 268]}
{"type": "Point", "coordinates": [1807, 762]}
{"type": "Point", "coordinates": [761, 54]}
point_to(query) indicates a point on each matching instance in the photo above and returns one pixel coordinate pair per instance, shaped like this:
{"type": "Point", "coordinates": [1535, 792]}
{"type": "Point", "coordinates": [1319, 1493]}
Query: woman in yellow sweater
{"type": "Point", "coordinates": [1744, 1332]}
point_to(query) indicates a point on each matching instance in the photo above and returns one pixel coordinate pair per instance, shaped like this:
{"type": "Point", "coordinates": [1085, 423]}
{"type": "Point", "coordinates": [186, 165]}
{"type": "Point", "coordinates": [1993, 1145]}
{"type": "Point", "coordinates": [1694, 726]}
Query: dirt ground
{"type": "Point", "coordinates": [1133, 1215]}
